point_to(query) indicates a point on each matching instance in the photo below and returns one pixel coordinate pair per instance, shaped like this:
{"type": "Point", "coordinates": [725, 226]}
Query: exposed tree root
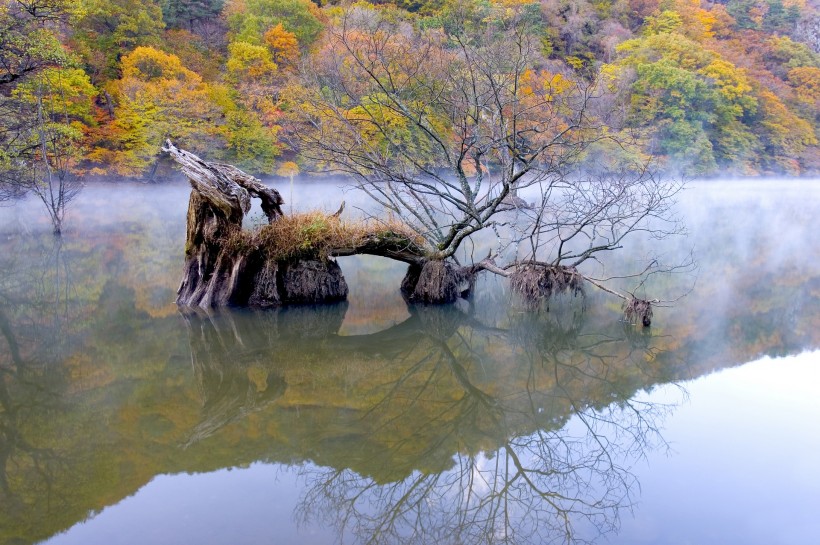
{"type": "Point", "coordinates": [436, 281]}
{"type": "Point", "coordinates": [638, 310]}
{"type": "Point", "coordinates": [535, 282]}
{"type": "Point", "coordinates": [312, 281]}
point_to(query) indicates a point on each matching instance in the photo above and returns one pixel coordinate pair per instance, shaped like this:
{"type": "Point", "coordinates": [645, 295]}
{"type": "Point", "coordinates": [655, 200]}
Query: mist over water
{"type": "Point", "coordinates": [752, 242]}
{"type": "Point", "coordinates": [178, 427]}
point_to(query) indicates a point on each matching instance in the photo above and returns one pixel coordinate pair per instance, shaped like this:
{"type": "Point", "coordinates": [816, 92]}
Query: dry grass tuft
{"type": "Point", "coordinates": [317, 234]}
{"type": "Point", "coordinates": [236, 241]}
{"type": "Point", "coordinates": [638, 310]}
{"type": "Point", "coordinates": [535, 282]}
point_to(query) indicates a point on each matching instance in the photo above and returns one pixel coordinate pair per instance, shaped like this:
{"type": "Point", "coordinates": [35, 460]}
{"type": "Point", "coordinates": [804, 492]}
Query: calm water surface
{"type": "Point", "coordinates": [124, 420]}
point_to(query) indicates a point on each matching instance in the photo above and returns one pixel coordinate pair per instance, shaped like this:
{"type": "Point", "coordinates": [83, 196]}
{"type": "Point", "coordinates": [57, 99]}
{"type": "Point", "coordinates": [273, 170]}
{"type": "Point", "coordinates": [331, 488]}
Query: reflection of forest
{"type": "Point", "coordinates": [456, 416]}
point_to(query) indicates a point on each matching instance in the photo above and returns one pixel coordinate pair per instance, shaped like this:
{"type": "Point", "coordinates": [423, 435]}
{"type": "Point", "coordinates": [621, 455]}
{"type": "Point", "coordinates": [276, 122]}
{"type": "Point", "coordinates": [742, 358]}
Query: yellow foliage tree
{"type": "Point", "coordinates": [157, 98]}
{"type": "Point", "coordinates": [806, 82]}
{"type": "Point", "coordinates": [250, 62]}
{"type": "Point", "coordinates": [787, 135]}
{"type": "Point", "coordinates": [288, 169]}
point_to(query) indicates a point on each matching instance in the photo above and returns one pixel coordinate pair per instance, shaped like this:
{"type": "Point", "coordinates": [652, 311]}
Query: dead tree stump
{"type": "Point", "coordinates": [220, 269]}
{"type": "Point", "coordinates": [436, 281]}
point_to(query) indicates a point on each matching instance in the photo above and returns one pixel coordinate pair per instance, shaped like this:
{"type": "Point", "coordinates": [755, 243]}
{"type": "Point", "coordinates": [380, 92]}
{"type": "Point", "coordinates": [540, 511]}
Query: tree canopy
{"type": "Point", "coordinates": [706, 88]}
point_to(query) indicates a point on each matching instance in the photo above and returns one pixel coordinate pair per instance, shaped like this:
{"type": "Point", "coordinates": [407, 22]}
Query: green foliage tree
{"type": "Point", "coordinates": [27, 46]}
{"type": "Point", "coordinates": [742, 11]}
{"type": "Point", "coordinates": [108, 29]}
{"type": "Point", "coordinates": [694, 102]}
{"type": "Point", "coordinates": [60, 103]}
{"type": "Point", "coordinates": [248, 20]}
{"type": "Point", "coordinates": [779, 18]}
{"type": "Point", "coordinates": [187, 14]}
{"type": "Point", "coordinates": [249, 144]}
{"type": "Point", "coordinates": [785, 53]}
{"type": "Point", "coordinates": [45, 105]}
{"type": "Point", "coordinates": [29, 40]}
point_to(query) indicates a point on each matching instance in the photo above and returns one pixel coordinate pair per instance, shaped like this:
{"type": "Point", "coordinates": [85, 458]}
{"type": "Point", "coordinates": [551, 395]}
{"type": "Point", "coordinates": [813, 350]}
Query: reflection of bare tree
{"type": "Point", "coordinates": [514, 433]}
{"type": "Point", "coordinates": [36, 315]}
{"type": "Point", "coordinates": [548, 487]}
{"type": "Point", "coordinates": [36, 301]}
{"type": "Point", "coordinates": [545, 461]}
{"type": "Point", "coordinates": [19, 409]}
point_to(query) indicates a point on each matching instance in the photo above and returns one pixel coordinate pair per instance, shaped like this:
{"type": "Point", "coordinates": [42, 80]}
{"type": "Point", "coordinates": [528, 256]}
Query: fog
{"type": "Point", "coordinates": [753, 242]}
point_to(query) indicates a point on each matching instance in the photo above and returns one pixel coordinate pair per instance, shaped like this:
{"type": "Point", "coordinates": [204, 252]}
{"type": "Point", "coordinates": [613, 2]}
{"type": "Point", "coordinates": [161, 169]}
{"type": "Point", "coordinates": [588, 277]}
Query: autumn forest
{"type": "Point", "coordinates": [96, 86]}
{"type": "Point", "coordinates": [512, 259]}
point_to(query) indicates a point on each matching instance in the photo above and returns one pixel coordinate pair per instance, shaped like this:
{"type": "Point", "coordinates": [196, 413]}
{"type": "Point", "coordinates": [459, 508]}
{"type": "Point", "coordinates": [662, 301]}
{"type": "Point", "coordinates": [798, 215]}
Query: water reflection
{"type": "Point", "coordinates": [230, 356]}
{"type": "Point", "coordinates": [35, 303]}
{"type": "Point", "coordinates": [451, 430]}
{"type": "Point", "coordinates": [21, 409]}
{"type": "Point", "coordinates": [477, 423]}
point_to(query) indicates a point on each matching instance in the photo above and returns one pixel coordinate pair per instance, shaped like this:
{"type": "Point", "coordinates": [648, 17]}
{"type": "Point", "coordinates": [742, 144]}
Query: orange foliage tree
{"type": "Point", "coordinates": [283, 44]}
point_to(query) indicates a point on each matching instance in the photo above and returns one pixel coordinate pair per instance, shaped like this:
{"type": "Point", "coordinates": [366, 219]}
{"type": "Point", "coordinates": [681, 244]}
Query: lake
{"type": "Point", "coordinates": [124, 420]}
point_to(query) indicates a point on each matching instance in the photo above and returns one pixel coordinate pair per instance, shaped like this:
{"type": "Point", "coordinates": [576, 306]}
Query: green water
{"type": "Point", "coordinates": [126, 420]}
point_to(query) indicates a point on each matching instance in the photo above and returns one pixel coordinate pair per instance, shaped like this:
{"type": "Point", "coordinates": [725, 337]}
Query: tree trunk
{"type": "Point", "coordinates": [436, 281]}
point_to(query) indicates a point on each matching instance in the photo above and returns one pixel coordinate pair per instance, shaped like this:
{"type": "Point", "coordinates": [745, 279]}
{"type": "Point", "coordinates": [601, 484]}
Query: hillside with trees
{"type": "Point", "coordinates": [94, 87]}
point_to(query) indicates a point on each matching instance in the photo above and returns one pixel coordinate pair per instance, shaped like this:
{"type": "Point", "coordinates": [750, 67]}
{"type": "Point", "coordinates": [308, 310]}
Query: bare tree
{"type": "Point", "coordinates": [51, 180]}
{"type": "Point", "coordinates": [41, 149]}
{"type": "Point", "coordinates": [453, 128]}
{"type": "Point", "coordinates": [38, 142]}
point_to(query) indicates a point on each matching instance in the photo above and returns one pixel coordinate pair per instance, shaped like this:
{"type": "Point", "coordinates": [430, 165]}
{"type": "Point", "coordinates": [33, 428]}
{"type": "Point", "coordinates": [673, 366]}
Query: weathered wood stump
{"type": "Point", "coordinates": [221, 268]}
{"type": "Point", "coordinates": [436, 281]}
